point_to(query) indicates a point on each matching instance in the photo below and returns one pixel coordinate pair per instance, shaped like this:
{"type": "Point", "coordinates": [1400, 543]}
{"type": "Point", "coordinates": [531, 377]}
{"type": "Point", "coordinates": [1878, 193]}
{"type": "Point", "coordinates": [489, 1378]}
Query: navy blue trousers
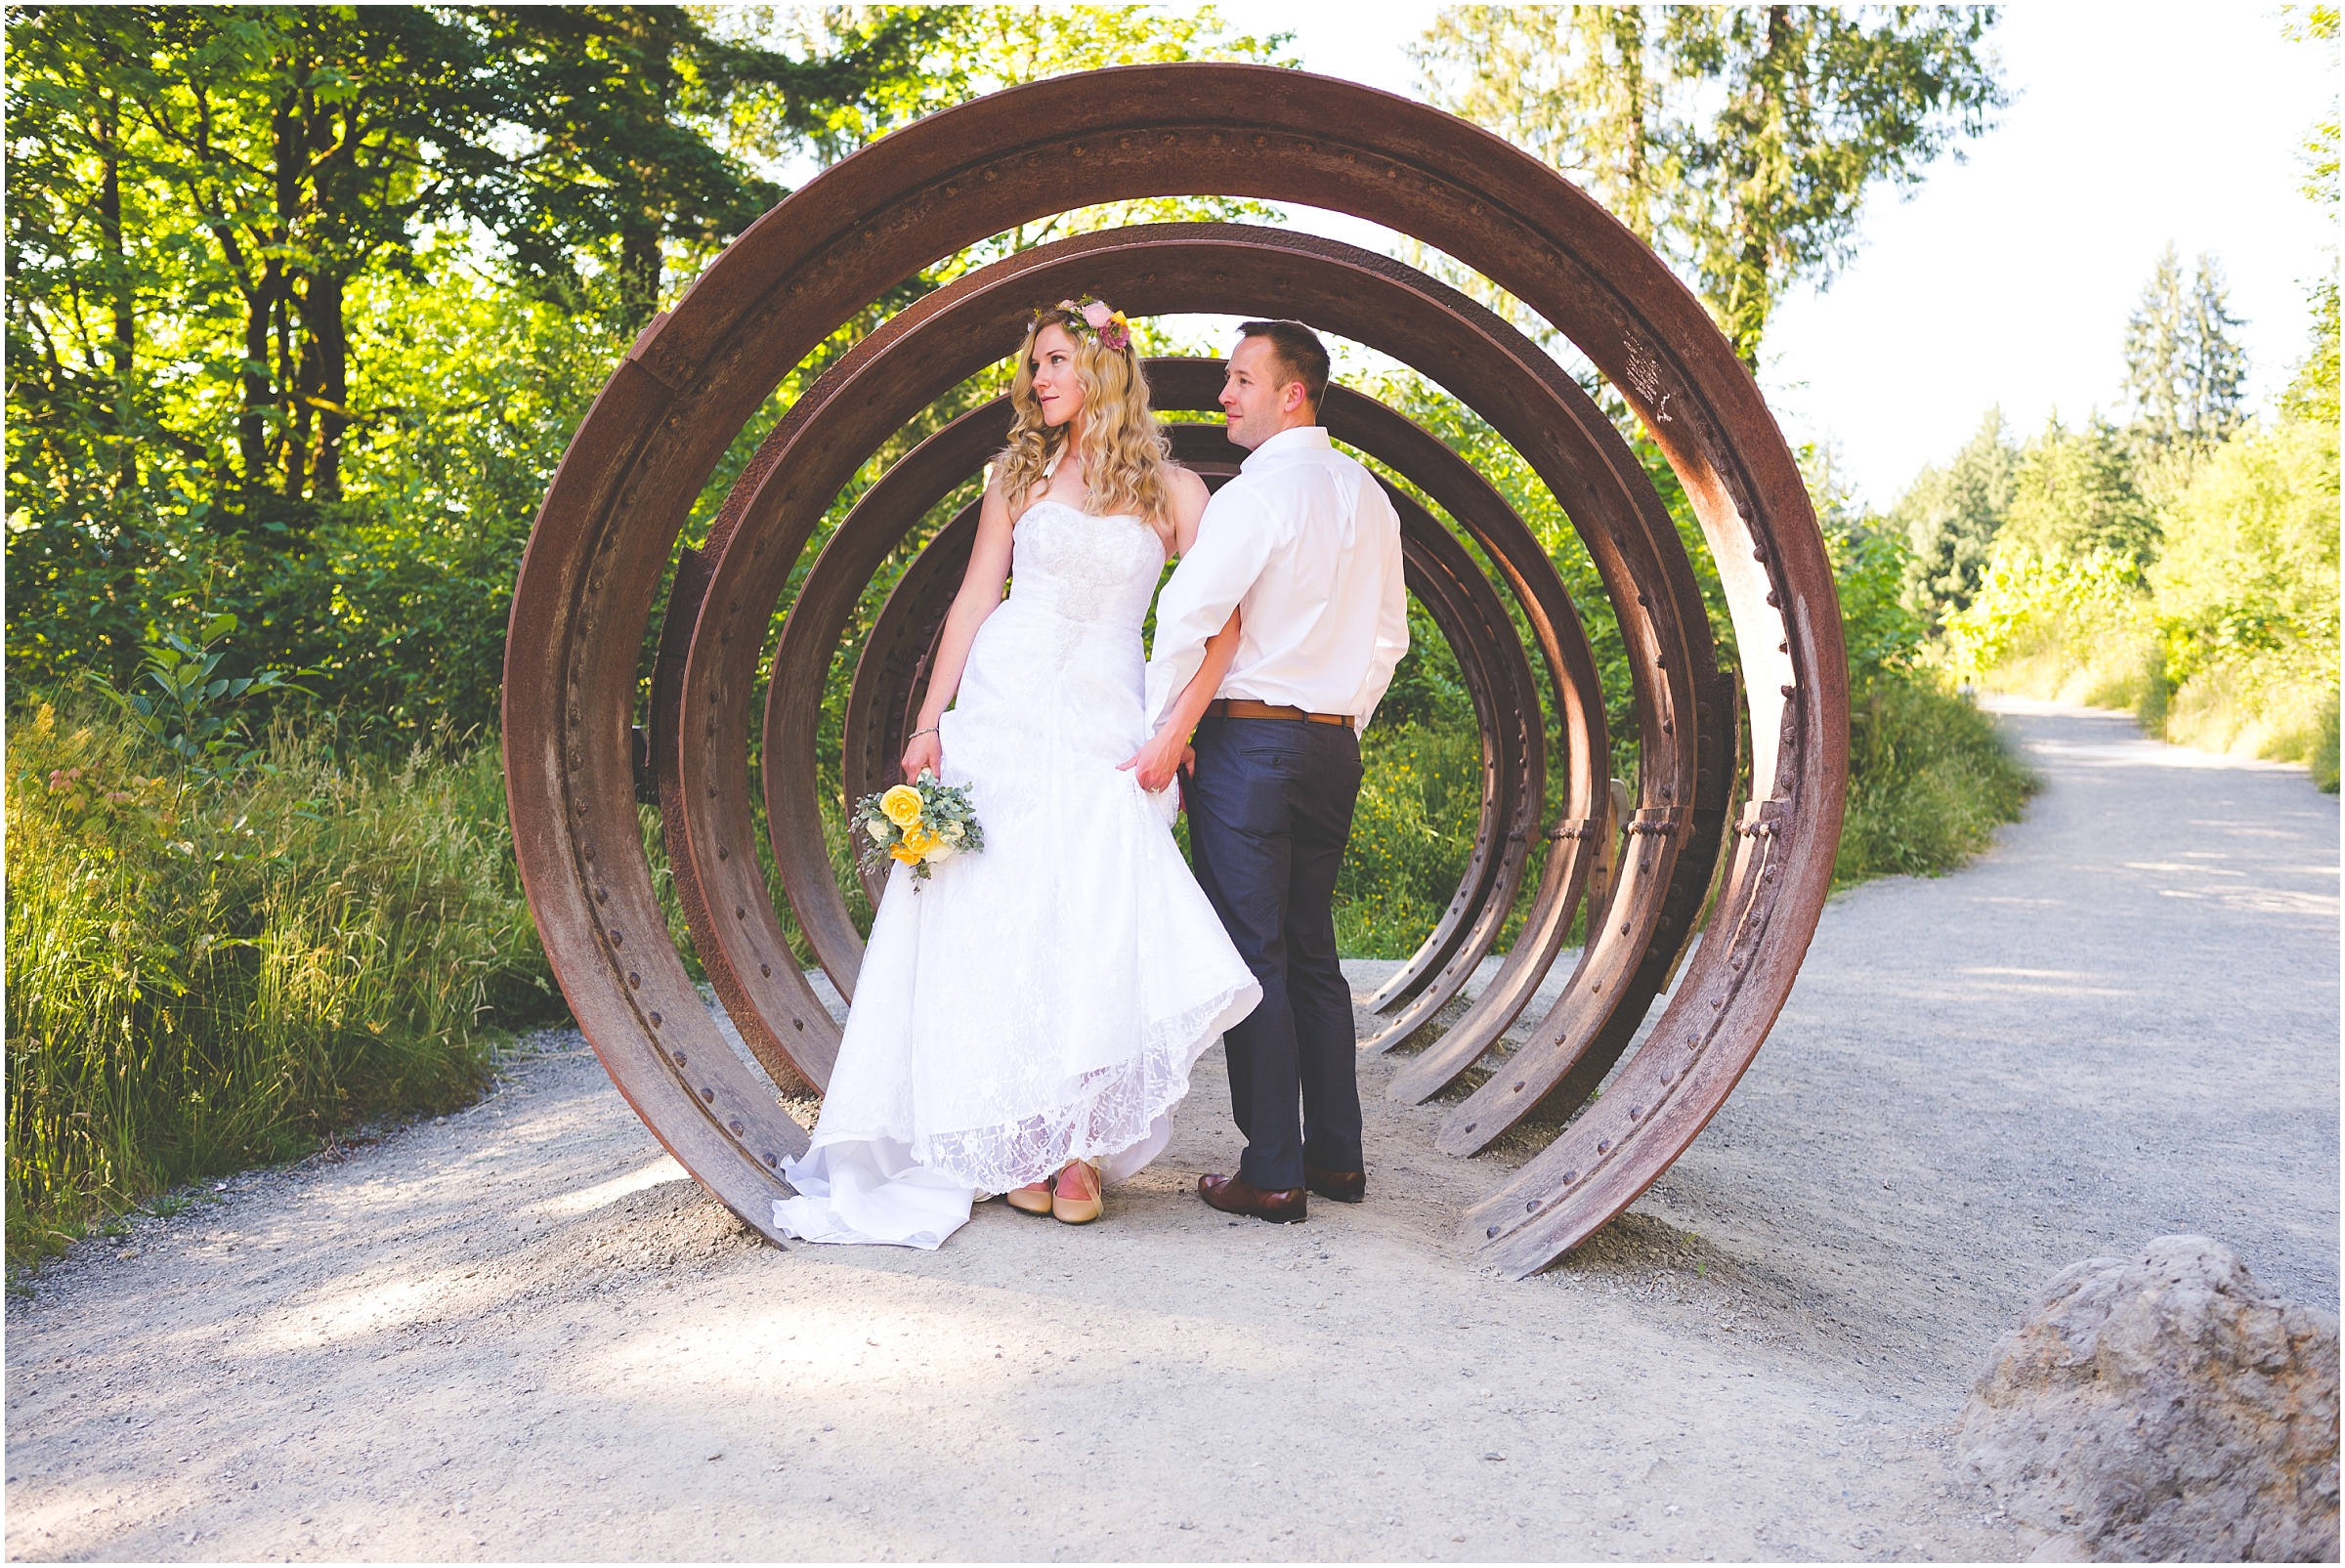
{"type": "Point", "coordinates": [1269, 810]}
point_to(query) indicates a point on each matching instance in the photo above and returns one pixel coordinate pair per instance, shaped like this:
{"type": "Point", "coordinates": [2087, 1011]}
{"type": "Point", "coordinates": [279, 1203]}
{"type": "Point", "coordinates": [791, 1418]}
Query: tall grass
{"type": "Point", "coordinates": [203, 976]}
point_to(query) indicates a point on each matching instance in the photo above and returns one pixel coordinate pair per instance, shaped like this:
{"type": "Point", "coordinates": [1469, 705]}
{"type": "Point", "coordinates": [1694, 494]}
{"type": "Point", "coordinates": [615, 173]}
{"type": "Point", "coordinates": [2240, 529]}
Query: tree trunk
{"type": "Point", "coordinates": [289, 134]}
{"type": "Point", "coordinates": [1627, 24]}
{"type": "Point", "coordinates": [639, 263]}
{"type": "Point", "coordinates": [325, 380]}
{"type": "Point", "coordinates": [106, 132]}
{"type": "Point", "coordinates": [252, 432]}
{"type": "Point", "coordinates": [1749, 297]}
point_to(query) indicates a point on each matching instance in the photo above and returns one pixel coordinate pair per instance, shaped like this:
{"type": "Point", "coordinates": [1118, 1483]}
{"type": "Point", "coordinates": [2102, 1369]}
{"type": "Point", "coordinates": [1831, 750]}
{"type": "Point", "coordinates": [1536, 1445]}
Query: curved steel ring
{"type": "Point", "coordinates": [885, 687]}
{"type": "Point", "coordinates": [1454, 590]}
{"type": "Point", "coordinates": [1191, 266]}
{"type": "Point", "coordinates": [609, 525]}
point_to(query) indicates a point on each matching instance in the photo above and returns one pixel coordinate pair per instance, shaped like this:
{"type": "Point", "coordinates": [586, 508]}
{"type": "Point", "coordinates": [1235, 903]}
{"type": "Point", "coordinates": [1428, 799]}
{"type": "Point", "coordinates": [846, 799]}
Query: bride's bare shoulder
{"type": "Point", "coordinates": [1185, 485]}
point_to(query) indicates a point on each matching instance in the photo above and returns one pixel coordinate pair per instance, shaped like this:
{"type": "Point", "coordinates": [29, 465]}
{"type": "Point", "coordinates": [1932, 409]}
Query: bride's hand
{"type": "Point", "coordinates": [925, 752]}
{"type": "Point", "coordinates": [1155, 763]}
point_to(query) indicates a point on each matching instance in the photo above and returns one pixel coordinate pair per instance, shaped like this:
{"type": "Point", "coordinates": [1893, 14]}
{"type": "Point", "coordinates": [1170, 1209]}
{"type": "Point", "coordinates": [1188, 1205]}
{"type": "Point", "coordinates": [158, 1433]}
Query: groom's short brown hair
{"type": "Point", "coordinates": [1300, 355]}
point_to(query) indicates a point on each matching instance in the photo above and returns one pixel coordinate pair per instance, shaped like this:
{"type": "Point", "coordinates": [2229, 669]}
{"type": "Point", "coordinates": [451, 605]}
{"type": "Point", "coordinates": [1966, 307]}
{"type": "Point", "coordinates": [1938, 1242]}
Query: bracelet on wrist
{"type": "Point", "coordinates": [917, 733]}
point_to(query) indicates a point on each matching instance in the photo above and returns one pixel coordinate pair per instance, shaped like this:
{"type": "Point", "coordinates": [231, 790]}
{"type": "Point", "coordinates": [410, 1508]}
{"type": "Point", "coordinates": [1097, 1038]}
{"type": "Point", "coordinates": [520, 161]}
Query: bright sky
{"type": "Point", "coordinates": [2007, 279]}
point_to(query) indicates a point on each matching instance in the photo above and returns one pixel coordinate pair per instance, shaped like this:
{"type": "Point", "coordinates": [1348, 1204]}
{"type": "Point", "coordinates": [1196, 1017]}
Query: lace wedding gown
{"type": "Point", "coordinates": [1044, 998]}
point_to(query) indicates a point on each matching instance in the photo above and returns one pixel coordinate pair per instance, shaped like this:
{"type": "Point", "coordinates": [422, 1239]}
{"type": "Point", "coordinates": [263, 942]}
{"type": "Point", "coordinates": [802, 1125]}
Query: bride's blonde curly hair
{"type": "Point", "coordinates": [1125, 450]}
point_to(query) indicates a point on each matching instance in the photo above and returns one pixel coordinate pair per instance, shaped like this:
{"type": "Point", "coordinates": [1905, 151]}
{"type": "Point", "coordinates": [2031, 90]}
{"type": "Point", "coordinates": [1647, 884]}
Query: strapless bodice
{"type": "Point", "coordinates": [1098, 571]}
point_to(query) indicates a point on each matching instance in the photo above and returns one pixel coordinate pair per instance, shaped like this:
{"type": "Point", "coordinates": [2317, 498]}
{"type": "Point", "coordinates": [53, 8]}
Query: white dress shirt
{"type": "Point", "coordinates": [1305, 542]}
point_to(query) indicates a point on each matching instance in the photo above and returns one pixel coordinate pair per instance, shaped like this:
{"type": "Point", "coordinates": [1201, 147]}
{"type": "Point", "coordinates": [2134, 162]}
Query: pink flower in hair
{"type": "Point", "coordinates": [1096, 313]}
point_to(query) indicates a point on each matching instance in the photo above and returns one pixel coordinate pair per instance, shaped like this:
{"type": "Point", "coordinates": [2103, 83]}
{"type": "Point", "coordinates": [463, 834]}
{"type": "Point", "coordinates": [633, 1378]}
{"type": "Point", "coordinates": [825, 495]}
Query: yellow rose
{"type": "Point", "coordinates": [907, 853]}
{"type": "Point", "coordinates": [901, 805]}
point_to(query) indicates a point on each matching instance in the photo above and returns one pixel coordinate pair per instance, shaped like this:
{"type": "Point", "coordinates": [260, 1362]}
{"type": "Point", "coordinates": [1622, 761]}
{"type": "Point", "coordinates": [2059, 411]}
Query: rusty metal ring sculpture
{"type": "Point", "coordinates": [893, 372]}
{"type": "Point", "coordinates": [888, 687]}
{"type": "Point", "coordinates": [884, 689]}
{"type": "Point", "coordinates": [606, 536]}
{"type": "Point", "coordinates": [896, 370]}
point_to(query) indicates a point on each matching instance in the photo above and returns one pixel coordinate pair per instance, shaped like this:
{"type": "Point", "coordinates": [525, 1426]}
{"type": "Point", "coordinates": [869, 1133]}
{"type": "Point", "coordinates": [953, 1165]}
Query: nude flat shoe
{"type": "Point", "coordinates": [1069, 1210]}
{"type": "Point", "coordinates": [1039, 1198]}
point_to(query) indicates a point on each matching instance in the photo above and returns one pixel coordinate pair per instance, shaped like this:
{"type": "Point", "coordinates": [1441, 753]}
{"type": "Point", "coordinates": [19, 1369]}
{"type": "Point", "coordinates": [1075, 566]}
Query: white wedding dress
{"type": "Point", "coordinates": [1044, 998]}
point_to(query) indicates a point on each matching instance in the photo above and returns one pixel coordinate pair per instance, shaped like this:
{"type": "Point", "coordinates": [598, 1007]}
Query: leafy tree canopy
{"type": "Point", "coordinates": [1740, 142]}
{"type": "Point", "coordinates": [251, 163]}
{"type": "Point", "coordinates": [304, 302]}
{"type": "Point", "coordinates": [2313, 393]}
{"type": "Point", "coordinates": [975, 50]}
{"type": "Point", "coordinates": [2250, 558]}
{"type": "Point", "coordinates": [636, 116]}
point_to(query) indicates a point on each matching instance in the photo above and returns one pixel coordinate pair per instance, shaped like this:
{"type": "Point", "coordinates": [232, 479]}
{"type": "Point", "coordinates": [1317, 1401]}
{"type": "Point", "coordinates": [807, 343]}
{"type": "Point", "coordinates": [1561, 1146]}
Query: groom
{"type": "Point", "coordinates": [1304, 545]}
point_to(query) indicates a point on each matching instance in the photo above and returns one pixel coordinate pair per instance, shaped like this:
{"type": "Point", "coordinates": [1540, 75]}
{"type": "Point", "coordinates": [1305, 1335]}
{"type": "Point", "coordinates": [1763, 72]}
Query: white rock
{"type": "Point", "coordinates": [2163, 1407]}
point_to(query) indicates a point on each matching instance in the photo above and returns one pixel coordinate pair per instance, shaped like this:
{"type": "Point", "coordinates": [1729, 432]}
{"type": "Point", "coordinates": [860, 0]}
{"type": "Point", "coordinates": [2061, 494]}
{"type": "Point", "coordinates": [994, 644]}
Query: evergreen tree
{"type": "Point", "coordinates": [2185, 372]}
{"type": "Point", "coordinates": [2218, 361]}
{"type": "Point", "coordinates": [2076, 493]}
{"type": "Point", "coordinates": [1949, 518]}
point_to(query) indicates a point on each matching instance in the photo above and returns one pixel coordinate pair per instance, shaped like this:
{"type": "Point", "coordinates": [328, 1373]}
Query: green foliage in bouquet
{"type": "Point", "coordinates": [920, 823]}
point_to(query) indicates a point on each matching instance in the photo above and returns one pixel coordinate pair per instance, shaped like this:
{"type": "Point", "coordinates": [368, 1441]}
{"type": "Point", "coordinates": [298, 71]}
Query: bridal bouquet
{"type": "Point", "coordinates": [920, 823]}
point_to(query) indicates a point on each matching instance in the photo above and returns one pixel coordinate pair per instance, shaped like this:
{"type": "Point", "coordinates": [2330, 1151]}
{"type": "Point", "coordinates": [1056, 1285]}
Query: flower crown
{"type": "Point", "coordinates": [1089, 317]}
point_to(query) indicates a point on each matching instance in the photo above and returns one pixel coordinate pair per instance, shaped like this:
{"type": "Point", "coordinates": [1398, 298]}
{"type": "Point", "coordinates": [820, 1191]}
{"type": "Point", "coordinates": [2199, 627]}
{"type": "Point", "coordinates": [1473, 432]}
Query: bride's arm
{"type": "Point", "coordinates": [1190, 497]}
{"type": "Point", "coordinates": [1162, 757]}
{"type": "Point", "coordinates": [979, 597]}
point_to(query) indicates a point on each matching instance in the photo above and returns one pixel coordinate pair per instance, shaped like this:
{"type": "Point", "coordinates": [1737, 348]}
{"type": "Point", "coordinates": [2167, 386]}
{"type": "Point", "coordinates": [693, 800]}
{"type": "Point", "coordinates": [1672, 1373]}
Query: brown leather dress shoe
{"type": "Point", "coordinates": [1234, 1196]}
{"type": "Point", "coordinates": [1337, 1186]}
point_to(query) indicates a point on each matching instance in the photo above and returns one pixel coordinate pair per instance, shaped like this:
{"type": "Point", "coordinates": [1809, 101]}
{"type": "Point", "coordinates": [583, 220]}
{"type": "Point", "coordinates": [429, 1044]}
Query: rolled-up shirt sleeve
{"type": "Point", "coordinates": [1392, 613]}
{"type": "Point", "coordinates": [1235, 540]}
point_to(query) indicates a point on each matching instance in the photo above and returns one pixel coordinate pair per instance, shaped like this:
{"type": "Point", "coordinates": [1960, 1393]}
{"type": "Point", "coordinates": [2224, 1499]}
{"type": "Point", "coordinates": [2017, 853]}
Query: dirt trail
{"type": "Point", "coordinates": [520, 1333]}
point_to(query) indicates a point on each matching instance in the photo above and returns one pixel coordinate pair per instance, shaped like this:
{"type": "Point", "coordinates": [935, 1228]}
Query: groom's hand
{"type": "Point", "coordinates": [1155, 763]}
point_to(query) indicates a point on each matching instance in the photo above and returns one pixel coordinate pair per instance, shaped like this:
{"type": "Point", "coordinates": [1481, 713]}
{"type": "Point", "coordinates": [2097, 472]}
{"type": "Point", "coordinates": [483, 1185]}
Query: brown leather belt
{"type": "Point", "coordinates": [1241, 707]}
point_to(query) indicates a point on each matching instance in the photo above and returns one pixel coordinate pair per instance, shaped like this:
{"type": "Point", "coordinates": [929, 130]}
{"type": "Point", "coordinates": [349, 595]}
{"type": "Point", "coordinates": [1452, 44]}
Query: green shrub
{"type": "Point", "coordinates": [2073, 628]}
{"type": "Point", "coordinates": [1930, 780]}
{"type": "Point", "coordinates": [2246, 598]}
{"type": "Point", "coordinates": [2323, 757]}
{"type": "Point", "coordinates": [1421, 792]}
{"type": "Point", "coordinates": [207, 975]}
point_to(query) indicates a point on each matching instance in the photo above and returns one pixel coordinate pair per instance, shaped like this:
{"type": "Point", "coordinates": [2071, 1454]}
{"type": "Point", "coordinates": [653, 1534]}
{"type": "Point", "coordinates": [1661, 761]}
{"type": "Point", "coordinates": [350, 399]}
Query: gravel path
{"type": "Point", "coordinates": [520, 1333]}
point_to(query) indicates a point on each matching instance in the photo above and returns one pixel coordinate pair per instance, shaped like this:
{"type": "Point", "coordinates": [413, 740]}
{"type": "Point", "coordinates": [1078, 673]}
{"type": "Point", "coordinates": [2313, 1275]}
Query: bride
{"type": "Point", "coordinates": [1026, 1018]}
